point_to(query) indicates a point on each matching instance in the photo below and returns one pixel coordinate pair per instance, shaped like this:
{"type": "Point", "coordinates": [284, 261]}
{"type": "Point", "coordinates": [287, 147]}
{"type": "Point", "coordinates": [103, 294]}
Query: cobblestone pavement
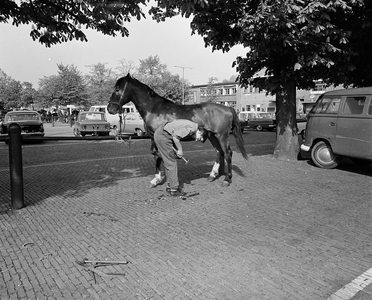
{"type": "Point", "coordinates": [282, 230]}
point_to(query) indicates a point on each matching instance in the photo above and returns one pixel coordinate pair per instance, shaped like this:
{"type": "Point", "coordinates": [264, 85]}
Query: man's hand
{"type": "Point", "coordinates": [179, 153]}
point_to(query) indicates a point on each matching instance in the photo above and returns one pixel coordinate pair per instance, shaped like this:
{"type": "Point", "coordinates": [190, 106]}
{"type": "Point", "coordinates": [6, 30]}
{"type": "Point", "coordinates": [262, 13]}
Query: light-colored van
{"type": "Point", "coordinates": [132, 121]}
{"type": "Point", "coordinates": [340, 125]}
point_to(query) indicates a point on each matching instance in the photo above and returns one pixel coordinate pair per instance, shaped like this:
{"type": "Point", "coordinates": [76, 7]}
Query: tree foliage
{"type": "Point", "coordinates": [60, 21]}
{"type": "Point", "coordinates": [69, 86]}
{"type": "Point", "coordinates": [157, 76]}
{"type": "Point", "coordinates": [14, 94]}
{"type": "Point", "coordinates": [99, 83]}
{"type": "Point", "coordinates": [66, 88]}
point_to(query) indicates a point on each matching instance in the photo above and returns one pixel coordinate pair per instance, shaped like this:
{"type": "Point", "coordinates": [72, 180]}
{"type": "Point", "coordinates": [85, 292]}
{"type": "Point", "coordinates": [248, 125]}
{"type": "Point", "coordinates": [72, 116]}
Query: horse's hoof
{"type": "Point", "coordinates": [210, 178]}
{"type": "Point", "coordinates": [225, 183]}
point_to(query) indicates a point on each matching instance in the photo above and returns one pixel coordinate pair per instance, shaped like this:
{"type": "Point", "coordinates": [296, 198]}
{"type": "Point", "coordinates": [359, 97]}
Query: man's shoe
{"type": "Point", "coordinates": [177, 193]}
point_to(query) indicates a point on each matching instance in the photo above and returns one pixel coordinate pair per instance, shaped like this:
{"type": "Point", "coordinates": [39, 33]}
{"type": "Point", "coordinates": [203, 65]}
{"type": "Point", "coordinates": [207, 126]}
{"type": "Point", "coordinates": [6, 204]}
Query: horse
{"type": "Point", "coordinates": [217, 119]}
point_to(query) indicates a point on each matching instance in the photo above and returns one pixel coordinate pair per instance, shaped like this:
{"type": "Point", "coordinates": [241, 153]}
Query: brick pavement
{"type": "Point", "coordinates": [282, 230]}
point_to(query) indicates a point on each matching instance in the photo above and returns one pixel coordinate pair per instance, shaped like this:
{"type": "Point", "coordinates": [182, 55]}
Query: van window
{"type": "Point", "coordinates": [326, 105]}
{"type": "Point", "coordinates": [354, 105]}
{"type": "Point", "coordinates": [102, 109]}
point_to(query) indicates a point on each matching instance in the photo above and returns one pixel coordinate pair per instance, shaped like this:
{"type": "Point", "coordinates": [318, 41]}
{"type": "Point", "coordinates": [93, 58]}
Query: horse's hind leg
{"type": "Point", "coordinates": [158, 160]}
{"type": "Point", "coordinates": [219, 165]}
{"type": "Point", "coordinates": [228, 158]}
{"type": "Point", "coordinates": [224, 152]}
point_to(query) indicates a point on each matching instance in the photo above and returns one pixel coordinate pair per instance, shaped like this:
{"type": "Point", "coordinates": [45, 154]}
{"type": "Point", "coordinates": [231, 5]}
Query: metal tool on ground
{"type": "Point", "coordinates": [91, 265]}
{"type": "Point", "coordinates": [184, 159]}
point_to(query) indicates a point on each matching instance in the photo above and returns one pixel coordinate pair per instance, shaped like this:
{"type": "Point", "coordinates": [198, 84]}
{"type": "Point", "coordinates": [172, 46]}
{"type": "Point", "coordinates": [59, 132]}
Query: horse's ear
{"type": "Point", "coordinates": [128, 75]}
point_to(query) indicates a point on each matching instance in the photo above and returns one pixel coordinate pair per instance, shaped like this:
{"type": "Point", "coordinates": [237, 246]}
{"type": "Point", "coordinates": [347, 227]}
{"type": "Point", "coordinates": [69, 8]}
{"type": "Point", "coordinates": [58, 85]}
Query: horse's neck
{"type": "Point", "coordinates": [144, 102]}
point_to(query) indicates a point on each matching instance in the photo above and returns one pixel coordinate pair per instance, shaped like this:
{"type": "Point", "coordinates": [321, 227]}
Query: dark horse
{"type": "Point", "coordinates": [218, 119]}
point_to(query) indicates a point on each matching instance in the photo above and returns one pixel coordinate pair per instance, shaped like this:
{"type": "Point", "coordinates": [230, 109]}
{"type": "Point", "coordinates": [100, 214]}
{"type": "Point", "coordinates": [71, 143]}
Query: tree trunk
{"type": "Point", "coordinates": [287, 146]}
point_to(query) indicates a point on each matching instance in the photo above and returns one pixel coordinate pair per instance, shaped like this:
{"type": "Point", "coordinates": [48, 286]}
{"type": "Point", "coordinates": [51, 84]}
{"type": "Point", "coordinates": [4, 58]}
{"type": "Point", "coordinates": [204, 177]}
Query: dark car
{"type": "Point", "coordinates": [258, 120]}
{"type": "Point", "coordinates": [91, 123]}
{"type": "Point", "coordinates": [30, 122]}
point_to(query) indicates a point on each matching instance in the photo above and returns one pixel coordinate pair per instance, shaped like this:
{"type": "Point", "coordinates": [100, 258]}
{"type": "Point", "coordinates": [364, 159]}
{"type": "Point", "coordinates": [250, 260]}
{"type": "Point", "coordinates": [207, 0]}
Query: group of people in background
{"type": "Point", "coordinates": [58, 115]}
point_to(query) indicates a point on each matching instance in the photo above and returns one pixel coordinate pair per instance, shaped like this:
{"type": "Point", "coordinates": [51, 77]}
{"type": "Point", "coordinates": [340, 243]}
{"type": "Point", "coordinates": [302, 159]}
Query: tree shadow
{"type": "Point", "coordinates": [75, 179]}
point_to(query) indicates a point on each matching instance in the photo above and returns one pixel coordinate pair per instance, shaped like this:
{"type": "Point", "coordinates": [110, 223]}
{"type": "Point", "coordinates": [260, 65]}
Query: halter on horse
{"type": "Point", "coordinates": [155, 110]}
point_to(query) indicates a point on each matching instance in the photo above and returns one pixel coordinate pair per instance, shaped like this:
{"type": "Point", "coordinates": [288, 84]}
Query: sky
{"type": "Point", "coordinates": [26, 60]}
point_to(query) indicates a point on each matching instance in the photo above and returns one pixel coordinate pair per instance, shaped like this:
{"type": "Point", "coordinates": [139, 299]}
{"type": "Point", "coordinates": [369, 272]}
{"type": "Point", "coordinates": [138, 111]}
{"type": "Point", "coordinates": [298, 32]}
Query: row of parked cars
{"type": "Point", "coordinates": [97, 121]}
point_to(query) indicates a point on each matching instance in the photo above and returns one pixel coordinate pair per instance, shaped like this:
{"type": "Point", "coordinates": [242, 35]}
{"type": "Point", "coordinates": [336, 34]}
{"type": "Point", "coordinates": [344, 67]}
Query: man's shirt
{"type": "Point", "coordinates": [181, 128]}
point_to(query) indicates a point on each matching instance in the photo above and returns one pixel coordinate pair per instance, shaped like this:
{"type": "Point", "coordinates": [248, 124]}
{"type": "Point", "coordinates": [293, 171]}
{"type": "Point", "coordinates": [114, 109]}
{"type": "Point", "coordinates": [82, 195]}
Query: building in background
{"type": "Point", "coordinates": [229, 93]}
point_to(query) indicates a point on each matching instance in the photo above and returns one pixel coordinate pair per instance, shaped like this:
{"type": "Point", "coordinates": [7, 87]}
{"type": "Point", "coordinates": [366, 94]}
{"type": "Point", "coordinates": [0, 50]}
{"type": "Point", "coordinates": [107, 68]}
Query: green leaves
{"type": "Point", "coordinates": [61, 21]}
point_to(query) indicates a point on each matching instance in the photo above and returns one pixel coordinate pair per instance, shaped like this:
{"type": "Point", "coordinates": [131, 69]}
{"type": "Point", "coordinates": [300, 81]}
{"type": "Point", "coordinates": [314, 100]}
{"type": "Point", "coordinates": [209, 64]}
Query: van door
{"type": "Point", "coordinates": [354, 128]}
{"type": "Point", "coordinates": [322, 120]}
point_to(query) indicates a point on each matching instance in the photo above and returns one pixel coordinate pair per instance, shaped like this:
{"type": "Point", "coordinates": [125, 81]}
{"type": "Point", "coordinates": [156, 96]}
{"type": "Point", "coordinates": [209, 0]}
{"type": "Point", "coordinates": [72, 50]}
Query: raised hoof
{"type": "Point", "coordinates": [225, 183]}
{"type": "Point", "coordinates": [210, 178]}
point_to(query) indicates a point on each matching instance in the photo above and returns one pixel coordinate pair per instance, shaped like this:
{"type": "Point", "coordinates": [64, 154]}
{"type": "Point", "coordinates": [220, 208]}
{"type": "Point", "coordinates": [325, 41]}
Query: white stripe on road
{"type": "Point", "coordinates": [351, 289]}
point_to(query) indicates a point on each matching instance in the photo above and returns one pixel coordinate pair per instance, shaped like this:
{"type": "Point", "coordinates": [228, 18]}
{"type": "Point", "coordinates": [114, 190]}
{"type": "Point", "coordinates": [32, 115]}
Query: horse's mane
{"type": "Point", "coordinates": [150, 91]}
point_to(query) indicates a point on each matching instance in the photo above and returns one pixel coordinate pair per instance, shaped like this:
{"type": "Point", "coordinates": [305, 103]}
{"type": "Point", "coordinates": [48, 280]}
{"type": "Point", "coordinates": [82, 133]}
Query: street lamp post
{"type": "Point", "coordinates": [183, 82]}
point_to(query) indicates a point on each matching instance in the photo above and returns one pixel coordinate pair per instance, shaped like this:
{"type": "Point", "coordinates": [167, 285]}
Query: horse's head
{"type": "Point", "coordinates": [120, 96]}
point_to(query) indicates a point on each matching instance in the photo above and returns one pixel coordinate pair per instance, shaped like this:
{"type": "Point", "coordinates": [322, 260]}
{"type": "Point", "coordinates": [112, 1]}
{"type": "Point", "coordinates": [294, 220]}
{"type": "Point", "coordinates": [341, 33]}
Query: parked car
{"type": "Point", "coordinates": [300, 117]}
{"type": "Point", "coordinates": [258, 120]}
{"type": "Point", "coordinates": [29, 120]}
{"type": "Point", "coordinates": [340, 125]}
{"type": "Point", "coordinates": [93, 123]}
{"type": "Point", "coordinates": [132, 121]}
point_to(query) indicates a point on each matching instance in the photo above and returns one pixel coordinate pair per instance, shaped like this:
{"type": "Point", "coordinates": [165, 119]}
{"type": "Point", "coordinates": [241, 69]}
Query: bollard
{"type": "Point", "coordinates": [15, 165]}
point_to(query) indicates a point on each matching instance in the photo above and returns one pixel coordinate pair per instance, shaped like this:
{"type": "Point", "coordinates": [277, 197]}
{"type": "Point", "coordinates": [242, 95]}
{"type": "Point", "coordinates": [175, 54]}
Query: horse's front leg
{"type": "Point", "coordinates": [158, 160]}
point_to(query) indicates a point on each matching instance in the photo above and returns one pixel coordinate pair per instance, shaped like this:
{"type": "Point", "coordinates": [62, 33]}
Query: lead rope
{"type": "Point", "coordinates": [119, 133]}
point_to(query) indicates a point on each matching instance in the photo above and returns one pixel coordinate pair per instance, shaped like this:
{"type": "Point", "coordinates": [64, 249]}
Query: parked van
{"type": "Point", "coordinates": [339, 125]}
{"type": "Point", "coordinates": [258, 120]}
{"type": "Point", "coordinates": [132, 121]}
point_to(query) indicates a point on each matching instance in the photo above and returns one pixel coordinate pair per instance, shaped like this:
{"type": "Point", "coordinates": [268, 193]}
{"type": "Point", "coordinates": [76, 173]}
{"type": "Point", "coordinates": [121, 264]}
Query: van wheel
{"type": "Point", "coordinates": [361, 162]}
{"type": "Point", "coordinates": [139, 132]}
{"type": "Point", "coordinates": [323, 156]}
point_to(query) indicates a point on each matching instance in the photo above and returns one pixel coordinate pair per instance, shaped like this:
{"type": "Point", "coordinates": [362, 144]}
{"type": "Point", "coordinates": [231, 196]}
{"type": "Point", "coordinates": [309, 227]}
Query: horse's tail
{"type": "Point", "coordinates": [237, 132]}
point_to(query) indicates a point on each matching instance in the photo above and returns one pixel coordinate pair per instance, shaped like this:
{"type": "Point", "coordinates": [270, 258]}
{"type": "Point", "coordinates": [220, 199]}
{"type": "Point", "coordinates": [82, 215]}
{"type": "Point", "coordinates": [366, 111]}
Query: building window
{"type": "Point", "coordinates": [220, 91]}
{"type": "Point", "coordinates": [233, 90]}
{"type": "Point", "coordinates": [227, 91]}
